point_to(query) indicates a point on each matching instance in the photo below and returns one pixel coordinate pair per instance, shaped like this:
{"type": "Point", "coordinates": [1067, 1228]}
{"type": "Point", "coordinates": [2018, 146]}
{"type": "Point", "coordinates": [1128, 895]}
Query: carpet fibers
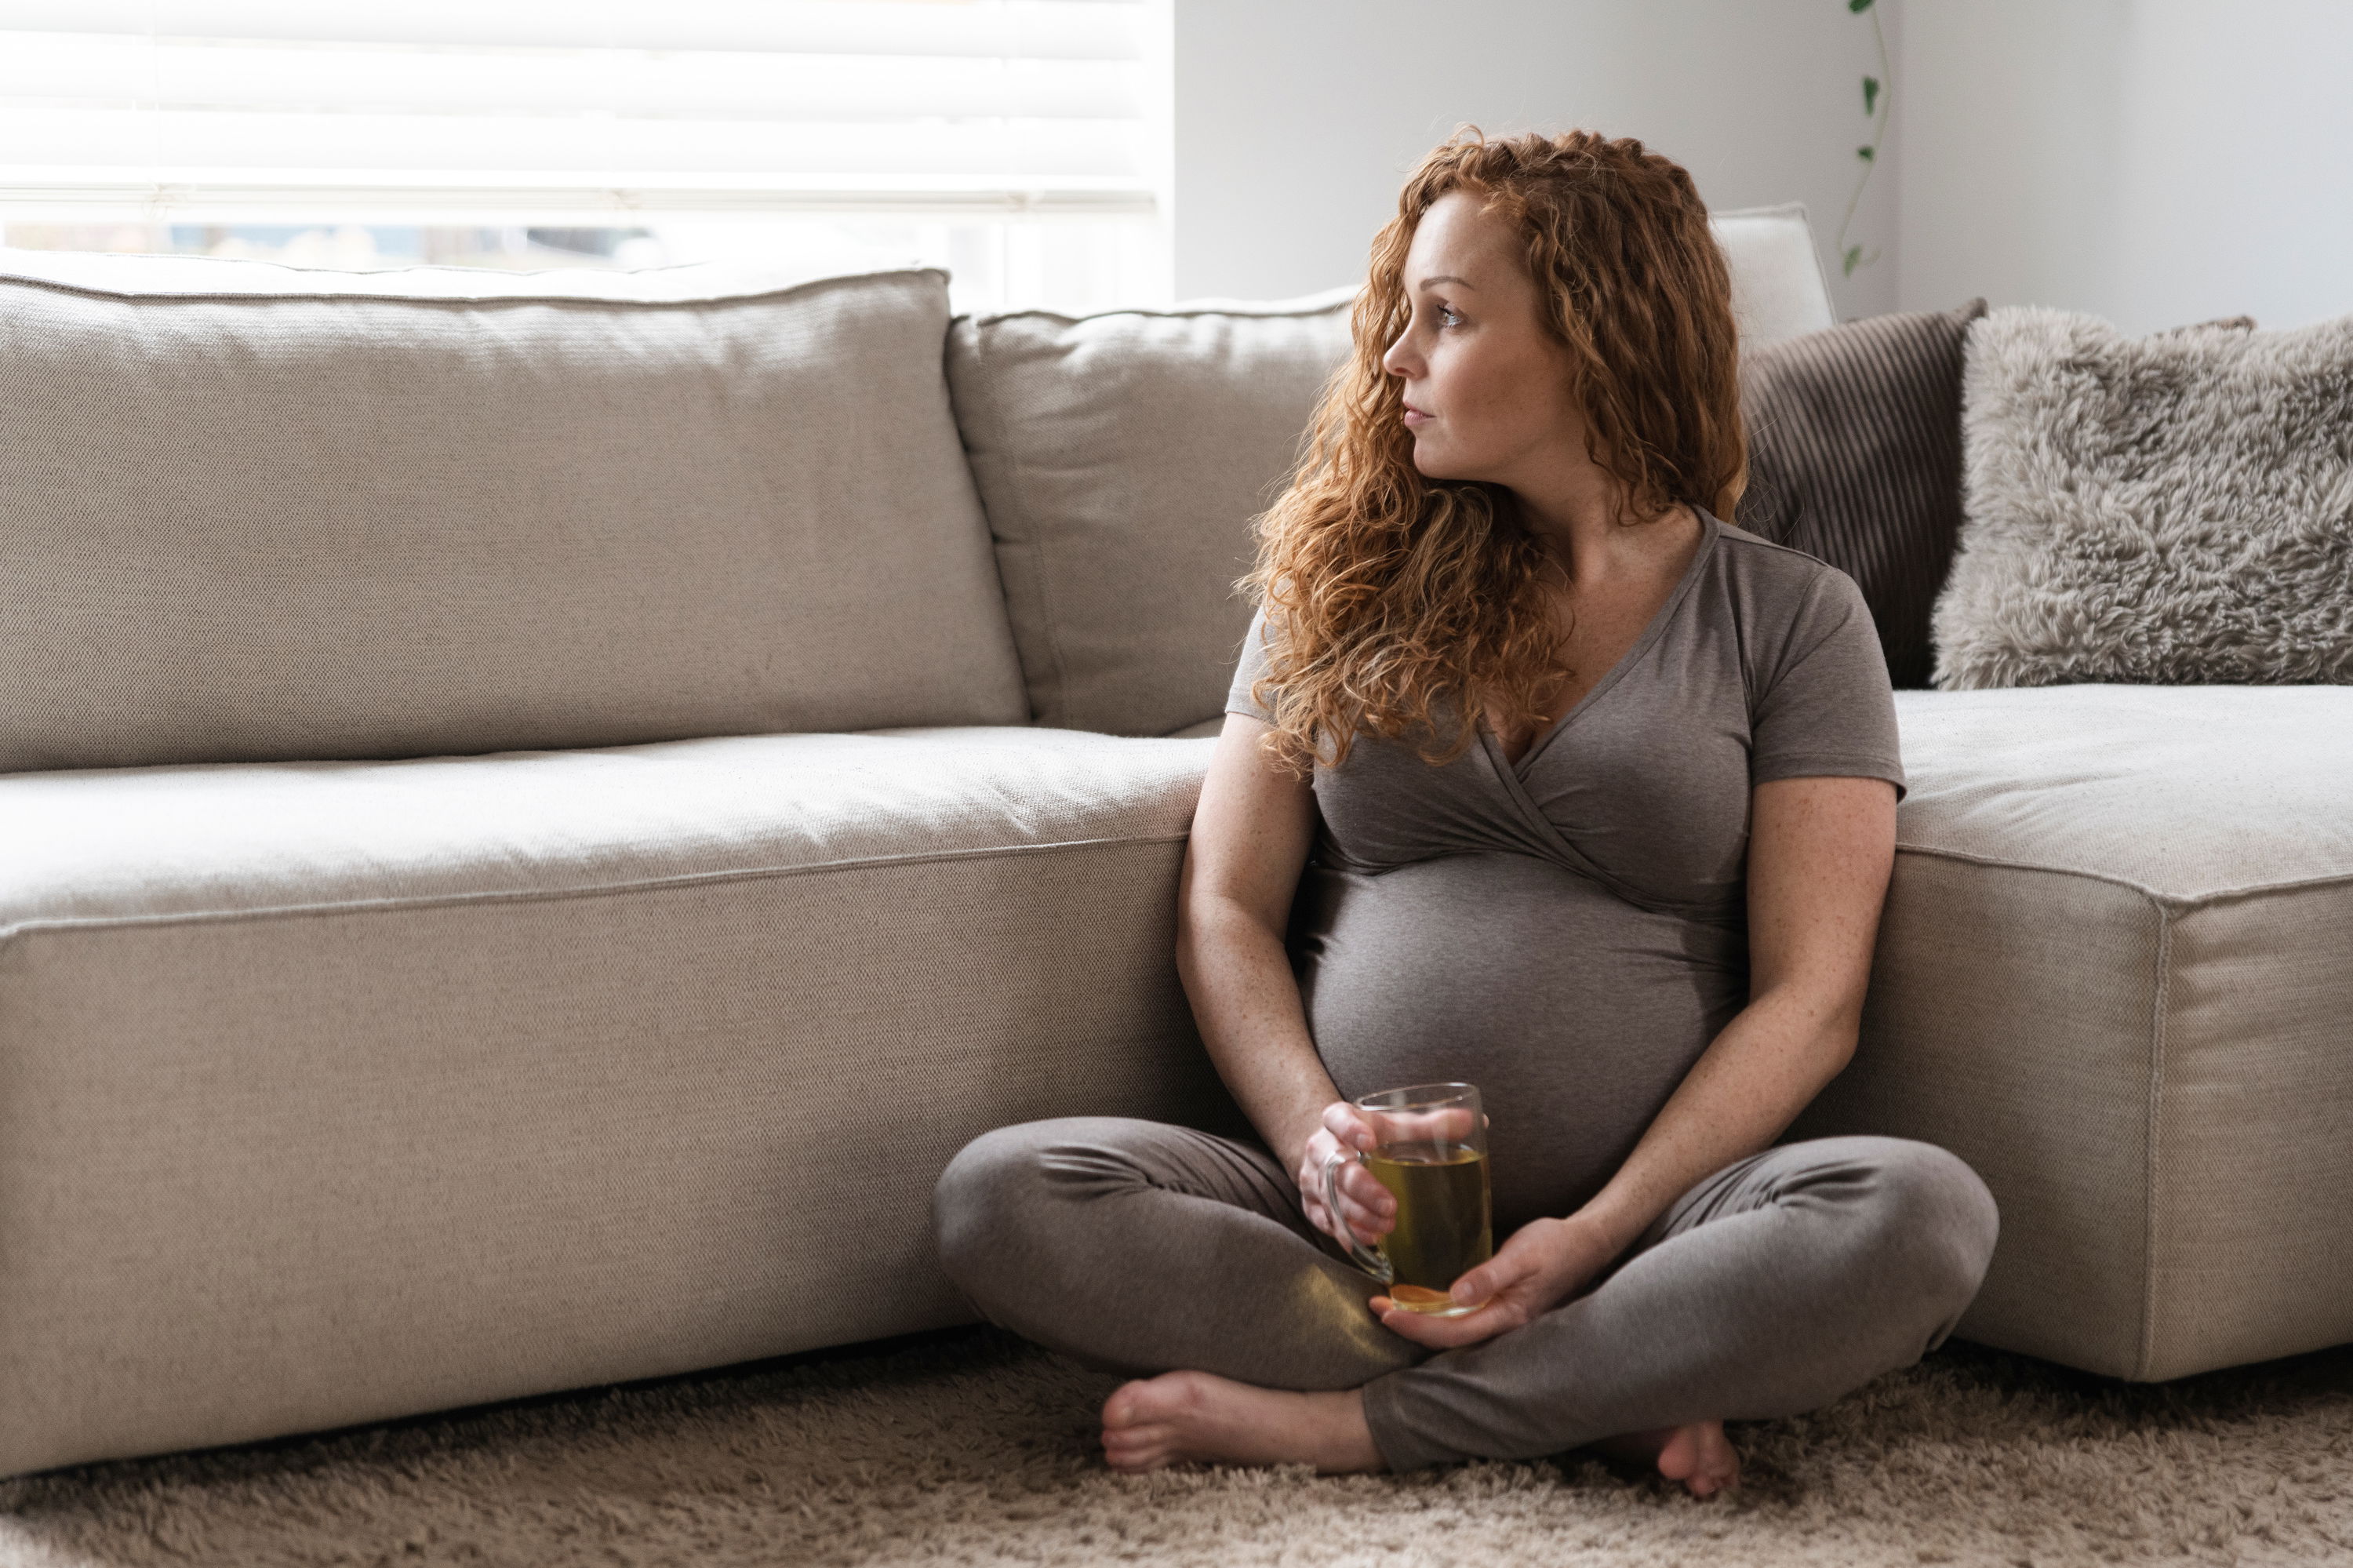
{"type": "Point", "coordinates": [970, 1447]}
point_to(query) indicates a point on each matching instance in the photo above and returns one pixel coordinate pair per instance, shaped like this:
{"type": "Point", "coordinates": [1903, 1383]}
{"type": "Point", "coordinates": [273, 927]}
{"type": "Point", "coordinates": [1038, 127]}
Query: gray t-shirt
{"type": "Point", "coordinates": [1569, 931]}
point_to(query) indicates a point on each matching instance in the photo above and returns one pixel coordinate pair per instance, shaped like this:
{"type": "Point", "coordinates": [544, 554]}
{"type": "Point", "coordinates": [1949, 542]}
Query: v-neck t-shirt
{"type": "Point", "coordinates": [1568, 931]}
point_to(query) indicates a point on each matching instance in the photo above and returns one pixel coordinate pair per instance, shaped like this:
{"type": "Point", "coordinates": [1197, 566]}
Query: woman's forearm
{"type": "Point", "coordinates": [1764, 1068]}
{"type": "Point", "coordinates": [1246, 1004]}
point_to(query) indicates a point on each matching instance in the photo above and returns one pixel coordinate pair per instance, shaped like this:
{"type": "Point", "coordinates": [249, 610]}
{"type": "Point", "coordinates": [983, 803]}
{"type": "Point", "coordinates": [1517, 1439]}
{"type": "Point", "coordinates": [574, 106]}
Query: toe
{"type": "Point", "coordinates": [1151, 1457]}
{"type": "Point", "coordinates": [1719, 1464]}
{"type": "Point", "coordinates": [1124, 1408]}
{"type": "Point", "coordinates": [1136, 1448]}
{"type": "Point", "coordinates": [1679, 1458]}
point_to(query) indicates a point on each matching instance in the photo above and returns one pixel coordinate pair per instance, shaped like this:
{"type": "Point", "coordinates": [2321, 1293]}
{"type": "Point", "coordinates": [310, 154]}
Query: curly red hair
{"type": "Point", "coordinates": [1399, 604]}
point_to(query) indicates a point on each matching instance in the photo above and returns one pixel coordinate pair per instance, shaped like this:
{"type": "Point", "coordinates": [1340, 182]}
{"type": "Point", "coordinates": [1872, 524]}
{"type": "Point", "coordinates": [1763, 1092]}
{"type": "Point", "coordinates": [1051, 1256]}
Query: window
{"type": "Point", "coordinates": [1021, 144]}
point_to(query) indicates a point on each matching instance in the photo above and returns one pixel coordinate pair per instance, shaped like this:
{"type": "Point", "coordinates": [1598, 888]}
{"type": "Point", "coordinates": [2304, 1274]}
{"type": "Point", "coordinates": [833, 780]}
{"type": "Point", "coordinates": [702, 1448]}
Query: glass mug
{"type": "Point", "coordinates": [1430, 1152]}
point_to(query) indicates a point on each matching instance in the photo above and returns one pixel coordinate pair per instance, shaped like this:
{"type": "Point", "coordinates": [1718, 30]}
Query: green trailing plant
{"type": "Point", "coordinates": [1874, 109]}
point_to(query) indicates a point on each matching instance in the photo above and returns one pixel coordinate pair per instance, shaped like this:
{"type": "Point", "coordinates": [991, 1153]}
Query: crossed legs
{"type": "Point", "coordinates": [1772, 1287]}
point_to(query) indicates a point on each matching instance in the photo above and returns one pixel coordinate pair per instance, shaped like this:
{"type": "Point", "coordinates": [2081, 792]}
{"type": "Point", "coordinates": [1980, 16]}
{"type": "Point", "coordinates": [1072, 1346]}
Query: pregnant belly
{"type": "Point", "coordinates": [1575, 1012]}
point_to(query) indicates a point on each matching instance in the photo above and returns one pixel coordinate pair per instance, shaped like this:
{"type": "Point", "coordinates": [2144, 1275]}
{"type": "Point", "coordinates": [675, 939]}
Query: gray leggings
{"type": "Point", "coordinates": [1772, 1287]}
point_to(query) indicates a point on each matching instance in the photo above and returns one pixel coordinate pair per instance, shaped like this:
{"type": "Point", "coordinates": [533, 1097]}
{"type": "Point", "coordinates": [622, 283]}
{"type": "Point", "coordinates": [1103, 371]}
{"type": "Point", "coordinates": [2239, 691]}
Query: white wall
{"type": "Point", "coordinates": [2154, 162]}
{"type": "Point", "coordinates": [1297, 120]}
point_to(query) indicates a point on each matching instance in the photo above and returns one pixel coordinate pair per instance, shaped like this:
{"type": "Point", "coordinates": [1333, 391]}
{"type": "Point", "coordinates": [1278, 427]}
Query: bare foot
{"type": "Point", "coordinates": [1699, 1455]}
{"type": "Point", "coordinates": [1183, 1415]}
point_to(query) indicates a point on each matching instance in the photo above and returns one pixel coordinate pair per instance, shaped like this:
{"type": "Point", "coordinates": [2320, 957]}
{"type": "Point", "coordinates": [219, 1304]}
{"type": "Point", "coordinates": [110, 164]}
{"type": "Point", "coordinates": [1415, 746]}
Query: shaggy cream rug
{"type": "Point", "coordinates": [969, 1447]}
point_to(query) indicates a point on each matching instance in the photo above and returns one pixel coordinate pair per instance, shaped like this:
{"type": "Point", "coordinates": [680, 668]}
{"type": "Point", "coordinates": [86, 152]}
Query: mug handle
{"type": "Point", "coordinates": [1365, 1257]}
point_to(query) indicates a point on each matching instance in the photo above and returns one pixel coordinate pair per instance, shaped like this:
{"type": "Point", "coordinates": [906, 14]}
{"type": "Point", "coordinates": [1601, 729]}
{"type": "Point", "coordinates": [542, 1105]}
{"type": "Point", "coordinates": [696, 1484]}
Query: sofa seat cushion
{"type": "Point", "coordinates": [334, 1092]}
{"type": "Point", "coordinates": [236, 840]}
{"type": "Point", "coordinates": [2112, 975]}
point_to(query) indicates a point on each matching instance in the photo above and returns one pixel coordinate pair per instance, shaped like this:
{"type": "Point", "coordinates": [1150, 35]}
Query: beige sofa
{"type": "Point", "coordinates": [536, 813]}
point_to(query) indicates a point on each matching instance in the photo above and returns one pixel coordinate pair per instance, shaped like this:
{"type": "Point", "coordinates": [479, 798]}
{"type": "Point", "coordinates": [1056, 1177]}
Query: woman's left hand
{"type": "Point", "coordinates": [1543, 1264]}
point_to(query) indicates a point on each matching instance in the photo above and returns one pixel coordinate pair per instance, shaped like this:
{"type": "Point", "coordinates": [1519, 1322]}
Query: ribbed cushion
{"type": "Point", "coordinates": [254, 512]}
{"type": "Point", "coordinates": [336, 1092]}
{"type": "Point", "coordinates": [2113, 976]}
{"type": "Point", "coordinates": [1855, 457]}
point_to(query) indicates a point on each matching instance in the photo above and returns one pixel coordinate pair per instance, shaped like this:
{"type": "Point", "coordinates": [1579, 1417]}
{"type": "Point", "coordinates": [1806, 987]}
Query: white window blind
{"type": "Point", "coordinates": [579, 111]}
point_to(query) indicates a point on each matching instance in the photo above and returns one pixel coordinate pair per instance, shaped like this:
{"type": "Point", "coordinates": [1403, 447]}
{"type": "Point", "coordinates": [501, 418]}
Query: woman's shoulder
{"type": "Point", "coordinates": [1784, 609]}
{"type": "Point", "coordinates": [1758, 557]}
{"type": "Point", "coordinates": [1241, 697]}
{"type": "Point", "coordinates": [1776, 584]}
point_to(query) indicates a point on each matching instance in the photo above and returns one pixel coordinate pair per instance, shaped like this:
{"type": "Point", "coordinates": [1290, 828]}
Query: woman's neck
{"type": "Point", "coordinates": [1594, 537]}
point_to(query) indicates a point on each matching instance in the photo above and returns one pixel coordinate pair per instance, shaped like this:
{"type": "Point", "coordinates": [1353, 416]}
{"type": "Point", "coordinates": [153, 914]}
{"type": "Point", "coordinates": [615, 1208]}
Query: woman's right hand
{"type": "Point", "coordinates": [1367, 1206]}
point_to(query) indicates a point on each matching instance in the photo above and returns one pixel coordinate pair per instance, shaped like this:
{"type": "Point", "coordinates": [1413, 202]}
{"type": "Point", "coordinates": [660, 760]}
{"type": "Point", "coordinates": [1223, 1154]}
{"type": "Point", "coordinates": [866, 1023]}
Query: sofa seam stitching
{"type": "Point", "coordinates": [300, 296]}
{"type": "Point", "coordinates": [2150, 1195]}
{"type": "Point", "coordinates": [549, 895]}
{"type": "Point", "coordinates": [2181, 902]}
{"type": "Point", "coordinates": [1188, 314]}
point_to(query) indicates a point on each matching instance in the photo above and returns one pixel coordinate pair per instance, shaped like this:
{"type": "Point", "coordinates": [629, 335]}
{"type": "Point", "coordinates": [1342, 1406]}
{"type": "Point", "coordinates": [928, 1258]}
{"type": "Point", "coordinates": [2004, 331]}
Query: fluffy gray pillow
{"type": "Point", "coordinates": [2171, 509]}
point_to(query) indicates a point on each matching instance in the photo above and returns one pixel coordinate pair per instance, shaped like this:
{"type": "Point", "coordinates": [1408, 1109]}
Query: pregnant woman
{"type": "Point", "coordinates": [1537, 774]}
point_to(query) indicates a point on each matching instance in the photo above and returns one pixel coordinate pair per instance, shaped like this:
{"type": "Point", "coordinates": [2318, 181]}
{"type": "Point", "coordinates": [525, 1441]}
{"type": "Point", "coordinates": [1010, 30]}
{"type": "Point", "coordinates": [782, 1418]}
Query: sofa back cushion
{"type": "Point", "coordinates": [1124, 457]}
{"type": "Point", "coordinates": [252, 513]}
{"type": "Point", "coordinates": [1778, 287]}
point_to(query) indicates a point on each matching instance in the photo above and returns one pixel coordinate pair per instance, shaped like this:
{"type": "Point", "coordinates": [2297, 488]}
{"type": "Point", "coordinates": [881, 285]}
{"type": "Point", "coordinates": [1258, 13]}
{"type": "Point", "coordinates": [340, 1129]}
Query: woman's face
{"type": "Point", "coordinates": [1486, 385]}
